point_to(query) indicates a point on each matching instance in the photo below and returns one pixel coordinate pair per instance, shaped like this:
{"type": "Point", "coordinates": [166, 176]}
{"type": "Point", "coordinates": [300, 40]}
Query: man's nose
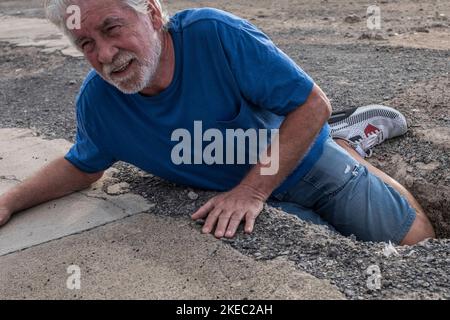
{"type": "Point", "coordinates": [106, 52]}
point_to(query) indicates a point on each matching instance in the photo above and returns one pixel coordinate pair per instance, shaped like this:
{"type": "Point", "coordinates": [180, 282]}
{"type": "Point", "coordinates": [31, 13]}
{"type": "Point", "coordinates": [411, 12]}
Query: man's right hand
{"type": "Point", "coordinates": [5, 215]}
{"type": "Point", "coordinates": [57, 179]}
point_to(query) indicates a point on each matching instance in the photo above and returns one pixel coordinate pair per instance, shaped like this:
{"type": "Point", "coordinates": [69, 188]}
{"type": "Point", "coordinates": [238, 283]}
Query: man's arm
{"type": "Point", "coordinates": [296, 135]}
{"type": "Point", "coordinates": [59, 178]}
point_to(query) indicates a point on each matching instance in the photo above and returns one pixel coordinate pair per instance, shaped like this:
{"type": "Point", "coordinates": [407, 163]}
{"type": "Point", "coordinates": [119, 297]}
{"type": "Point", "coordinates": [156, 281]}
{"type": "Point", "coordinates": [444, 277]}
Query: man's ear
{"type": "Point", "coordinates": [155, 14]}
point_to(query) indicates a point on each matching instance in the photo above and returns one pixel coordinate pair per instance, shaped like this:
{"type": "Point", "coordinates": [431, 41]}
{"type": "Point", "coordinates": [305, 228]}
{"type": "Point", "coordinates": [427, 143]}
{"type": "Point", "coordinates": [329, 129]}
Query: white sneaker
{"type": "Point", "coordinates": [367, 127]}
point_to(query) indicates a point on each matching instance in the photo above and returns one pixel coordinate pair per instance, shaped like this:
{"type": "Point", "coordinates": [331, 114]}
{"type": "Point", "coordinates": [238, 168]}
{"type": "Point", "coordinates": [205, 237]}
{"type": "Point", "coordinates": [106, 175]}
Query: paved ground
{"type": "Point", "coordinates": [150, 257]}
{"type": "Point", "coordinates": [23, 154]}
{"type": "Point", "coordinates": [405, 65]}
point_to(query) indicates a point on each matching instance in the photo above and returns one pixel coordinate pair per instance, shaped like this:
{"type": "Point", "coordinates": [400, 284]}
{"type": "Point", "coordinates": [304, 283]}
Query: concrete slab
{"type": "Point", "coordinates": [35, 32]}
{"type": "Point", "coordinates": [152, 257]}
{"type": "Point", "coordinates": [21, 154]}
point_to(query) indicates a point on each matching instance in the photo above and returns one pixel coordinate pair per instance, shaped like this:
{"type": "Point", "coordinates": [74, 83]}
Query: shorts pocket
{"type": "Point", "coordinates": [335, 168]}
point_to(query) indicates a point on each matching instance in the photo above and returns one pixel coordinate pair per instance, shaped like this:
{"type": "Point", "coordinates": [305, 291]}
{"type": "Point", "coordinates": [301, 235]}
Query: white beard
{"type": "Point", "coordinates": [141, 73]}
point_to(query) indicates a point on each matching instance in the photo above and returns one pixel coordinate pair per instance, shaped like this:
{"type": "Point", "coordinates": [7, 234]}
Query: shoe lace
{"type": "Point", "coordinates": [364, 145]}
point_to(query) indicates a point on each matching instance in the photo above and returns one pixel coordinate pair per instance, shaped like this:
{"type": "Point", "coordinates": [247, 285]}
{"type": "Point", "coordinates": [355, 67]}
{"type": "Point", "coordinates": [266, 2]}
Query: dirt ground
{"type": "Point", "coordinates": [404, 65]}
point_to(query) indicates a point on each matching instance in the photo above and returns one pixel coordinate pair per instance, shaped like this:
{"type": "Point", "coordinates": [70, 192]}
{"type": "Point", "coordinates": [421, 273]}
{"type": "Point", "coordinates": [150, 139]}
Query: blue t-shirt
{"type": "Point", "coordinates": [228, 75]}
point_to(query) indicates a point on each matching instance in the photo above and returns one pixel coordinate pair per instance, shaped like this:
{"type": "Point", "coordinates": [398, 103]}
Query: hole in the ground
{"type": "Point", "coordinates": [436, 205]}
{"type": "Point", "coordinates": [425, 183]}
{"type": "Point", "coordinates": [419, 160]}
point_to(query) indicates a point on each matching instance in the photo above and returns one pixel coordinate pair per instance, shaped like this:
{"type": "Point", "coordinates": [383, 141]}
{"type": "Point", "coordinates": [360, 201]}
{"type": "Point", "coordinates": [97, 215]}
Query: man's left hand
{"type": "Point", "coordinates": [227, 210]}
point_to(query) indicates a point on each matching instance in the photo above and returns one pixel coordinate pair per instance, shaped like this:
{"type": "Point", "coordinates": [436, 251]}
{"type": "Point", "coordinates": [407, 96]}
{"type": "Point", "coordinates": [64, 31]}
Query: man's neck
{"type": "Point", "coordinates": [166, 68]}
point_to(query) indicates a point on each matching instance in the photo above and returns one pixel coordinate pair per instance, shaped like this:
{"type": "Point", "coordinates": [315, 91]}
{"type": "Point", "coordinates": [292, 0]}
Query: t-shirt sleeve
{"type": "Point", "coordinates": [265, 75]}
{"type": "Point", "coordinates": [86, 154]}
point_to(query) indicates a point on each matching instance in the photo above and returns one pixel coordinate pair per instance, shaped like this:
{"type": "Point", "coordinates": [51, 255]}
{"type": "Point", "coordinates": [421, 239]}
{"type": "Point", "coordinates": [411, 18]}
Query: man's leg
{"type": "Point", "coordinates": [357, 131]}
{"type": "Point", "coordinates": [421, 228]}
{"type": "Point", "coordinates": [352, 195]}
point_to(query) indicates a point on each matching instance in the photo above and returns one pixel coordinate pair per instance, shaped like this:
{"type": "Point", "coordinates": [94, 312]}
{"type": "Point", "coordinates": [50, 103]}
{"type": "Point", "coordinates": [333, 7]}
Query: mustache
{"type": "Point", "coordinates": [122, 58]}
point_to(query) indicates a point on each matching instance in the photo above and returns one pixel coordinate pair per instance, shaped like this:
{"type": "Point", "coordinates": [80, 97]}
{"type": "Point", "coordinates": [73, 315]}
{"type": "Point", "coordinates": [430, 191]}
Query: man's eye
{"type": "Point", "coordinates": [86, 45]}
{"type": "Point", "coordinates": [113, 28]}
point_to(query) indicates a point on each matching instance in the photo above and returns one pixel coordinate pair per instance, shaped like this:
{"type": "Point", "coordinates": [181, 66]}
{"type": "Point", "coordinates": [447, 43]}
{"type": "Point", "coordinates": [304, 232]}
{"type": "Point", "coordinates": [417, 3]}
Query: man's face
{"type": "Point", "coordinates": [121, 45]}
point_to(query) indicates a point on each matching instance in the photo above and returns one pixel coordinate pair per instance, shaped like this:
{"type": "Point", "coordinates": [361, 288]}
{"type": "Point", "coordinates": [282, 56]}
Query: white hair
{"type": "Point", "coordinates": [56, 10]}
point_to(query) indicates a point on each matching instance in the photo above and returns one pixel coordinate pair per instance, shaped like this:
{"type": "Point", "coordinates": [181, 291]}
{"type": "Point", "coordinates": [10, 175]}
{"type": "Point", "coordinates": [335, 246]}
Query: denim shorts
{"type": "Point", "coordinates": [342, 194]}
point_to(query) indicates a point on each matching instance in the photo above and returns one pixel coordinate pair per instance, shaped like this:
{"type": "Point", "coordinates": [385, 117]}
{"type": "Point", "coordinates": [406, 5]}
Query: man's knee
{"type": "Point", "coordinates": [420, 230]}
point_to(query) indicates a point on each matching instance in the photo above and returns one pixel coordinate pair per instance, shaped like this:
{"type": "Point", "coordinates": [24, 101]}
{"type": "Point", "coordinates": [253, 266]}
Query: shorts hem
{"type": "Point", "coordinates": [406, 226]}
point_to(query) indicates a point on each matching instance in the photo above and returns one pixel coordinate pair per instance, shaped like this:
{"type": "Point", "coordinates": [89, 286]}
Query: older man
{"type": "Point", "coordinates": [153, 76]}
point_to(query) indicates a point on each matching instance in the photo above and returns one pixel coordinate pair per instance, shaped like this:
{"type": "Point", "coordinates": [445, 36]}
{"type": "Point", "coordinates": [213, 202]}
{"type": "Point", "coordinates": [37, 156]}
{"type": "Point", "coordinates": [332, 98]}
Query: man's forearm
{"type": "Point", "coordinates": [296, 135]}
{"type": "Point", "coordinates": [57, 179]}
